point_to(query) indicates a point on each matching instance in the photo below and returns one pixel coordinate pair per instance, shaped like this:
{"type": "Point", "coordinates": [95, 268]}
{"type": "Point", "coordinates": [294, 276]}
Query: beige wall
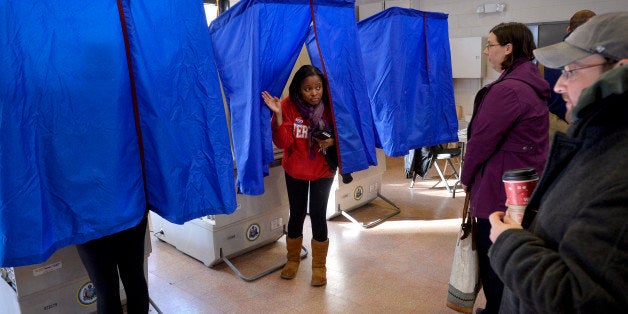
{"type": "Point", "coordinates": [464, 22]}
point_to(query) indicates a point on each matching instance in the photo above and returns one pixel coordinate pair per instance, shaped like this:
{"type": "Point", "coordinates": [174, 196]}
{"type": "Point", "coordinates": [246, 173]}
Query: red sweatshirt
{"type": "Point", "coordinates": [291, 136]}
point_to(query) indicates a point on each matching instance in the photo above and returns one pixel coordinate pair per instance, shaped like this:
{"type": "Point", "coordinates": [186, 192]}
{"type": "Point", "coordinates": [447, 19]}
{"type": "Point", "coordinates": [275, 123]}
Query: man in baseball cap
{"type": "Point", "coordinates": [571, 251]}
{"type": "Point", "coordinates": [597, 47]}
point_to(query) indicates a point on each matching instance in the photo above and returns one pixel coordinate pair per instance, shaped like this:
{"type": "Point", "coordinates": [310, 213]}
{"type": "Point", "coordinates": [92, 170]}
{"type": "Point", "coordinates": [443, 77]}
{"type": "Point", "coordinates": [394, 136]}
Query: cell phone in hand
{"type": "Point", "coordinates": [322, 135]}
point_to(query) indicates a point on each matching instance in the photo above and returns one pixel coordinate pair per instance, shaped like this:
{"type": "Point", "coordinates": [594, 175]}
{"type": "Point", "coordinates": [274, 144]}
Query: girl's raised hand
{"type": "Point", "coordinates": [273, 103]}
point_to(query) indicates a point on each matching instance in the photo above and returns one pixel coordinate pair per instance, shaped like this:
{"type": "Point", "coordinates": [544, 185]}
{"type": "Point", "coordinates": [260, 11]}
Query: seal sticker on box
{"type": "Point", "coordinates": [358, 193]}
{"type": "Point", "coordinates": [86, 294]}
{"type": "Point", "coordinates": [253, 232]}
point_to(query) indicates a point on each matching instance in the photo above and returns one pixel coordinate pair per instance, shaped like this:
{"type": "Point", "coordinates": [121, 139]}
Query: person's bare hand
{"type": "Point", "coordinates": [273, 103]}
{"type": "Point", "coordinates": [501, 222]}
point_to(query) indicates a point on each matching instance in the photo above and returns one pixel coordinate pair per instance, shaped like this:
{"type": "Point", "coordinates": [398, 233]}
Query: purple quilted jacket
{"type": "Point", "coordinates": [509, 130]}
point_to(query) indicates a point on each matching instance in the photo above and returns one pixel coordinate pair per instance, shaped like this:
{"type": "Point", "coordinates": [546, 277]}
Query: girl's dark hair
{"type": "Point", "coordinates": [521, 39]}
{"type": "Point", "coordinates": [305, 71]}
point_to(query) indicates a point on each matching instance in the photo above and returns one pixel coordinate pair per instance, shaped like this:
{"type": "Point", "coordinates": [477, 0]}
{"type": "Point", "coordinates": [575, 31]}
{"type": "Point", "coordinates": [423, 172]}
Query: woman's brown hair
{"type": "Point", "coordinates": [521, 39]}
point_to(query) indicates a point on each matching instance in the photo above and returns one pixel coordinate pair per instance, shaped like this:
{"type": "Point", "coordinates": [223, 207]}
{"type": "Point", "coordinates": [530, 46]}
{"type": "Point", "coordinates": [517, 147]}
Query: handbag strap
{"type": "Point", "coordinates": [465, 208]}
{"type": "Point", "coordinates": [467, 219]}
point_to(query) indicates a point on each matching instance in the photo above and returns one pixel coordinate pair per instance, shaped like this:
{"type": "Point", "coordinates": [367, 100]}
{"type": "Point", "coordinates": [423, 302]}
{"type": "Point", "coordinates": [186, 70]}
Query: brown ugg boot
{"type": "Point", "coordinates": [319, 258]}
{"type": "Point", "coordinates": [289, 271]}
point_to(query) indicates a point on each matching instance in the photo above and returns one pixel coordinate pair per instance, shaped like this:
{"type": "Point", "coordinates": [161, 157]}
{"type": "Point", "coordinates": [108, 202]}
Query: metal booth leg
{"type": "Point", "coordinates": [376, 221]}
{"type": "Point", "coordinates": [154, 306]}
{"type": "Point", "coordinates": [304, 253]}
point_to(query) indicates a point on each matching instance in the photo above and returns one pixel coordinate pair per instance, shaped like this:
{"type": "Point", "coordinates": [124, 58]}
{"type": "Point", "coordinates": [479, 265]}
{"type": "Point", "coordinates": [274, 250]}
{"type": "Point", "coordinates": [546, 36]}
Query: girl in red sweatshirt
{"type": "Point", "coordinates": [302, 127]}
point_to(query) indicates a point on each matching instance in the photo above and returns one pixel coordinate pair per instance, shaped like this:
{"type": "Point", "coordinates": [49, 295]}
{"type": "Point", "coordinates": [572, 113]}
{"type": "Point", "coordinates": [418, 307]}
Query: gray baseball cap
{"type": "Point", "coordinates": [605, 34]}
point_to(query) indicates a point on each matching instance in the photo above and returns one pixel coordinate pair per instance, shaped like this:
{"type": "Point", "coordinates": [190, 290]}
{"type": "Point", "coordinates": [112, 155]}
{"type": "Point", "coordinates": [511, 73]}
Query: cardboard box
{"type": "Point", "coordinates": [60, 284]}
{"type": "Point", "coordinates": [75, 296]}
{"type": "Point", "coordinates": [63, 266]}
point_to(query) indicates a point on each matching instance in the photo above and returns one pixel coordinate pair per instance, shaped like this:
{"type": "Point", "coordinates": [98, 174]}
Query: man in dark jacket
{"type": "Point", "coordinates": [571, 252]}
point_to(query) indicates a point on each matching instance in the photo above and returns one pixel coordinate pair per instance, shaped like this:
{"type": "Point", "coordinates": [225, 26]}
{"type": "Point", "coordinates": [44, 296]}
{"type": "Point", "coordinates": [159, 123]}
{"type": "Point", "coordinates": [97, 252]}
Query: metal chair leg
{"type": "Point", "coordinates": [412, 182]}
{"type": "Point", "coordinates": [456, 174]}
{"type": "Point", "coordinates": [442, 176]}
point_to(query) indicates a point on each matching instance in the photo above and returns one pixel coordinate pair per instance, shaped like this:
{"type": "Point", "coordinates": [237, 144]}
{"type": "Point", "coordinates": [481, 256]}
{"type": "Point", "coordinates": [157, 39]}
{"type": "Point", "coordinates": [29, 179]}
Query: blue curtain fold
{"type": "Point", "coordinates": [189, 164]}
{"type": "Point", "coordinates": [70, 168]}
{"type": "Point", "coordinates": [408, 73]}
{"type": "Point", "coordinates": [256, 44]}
{"type": "Point", "coordinates": [336, 35]}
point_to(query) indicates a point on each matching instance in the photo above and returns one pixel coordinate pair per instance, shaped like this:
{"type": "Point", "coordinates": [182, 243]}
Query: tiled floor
{"type": "Point", "coordinates": [399, 266]}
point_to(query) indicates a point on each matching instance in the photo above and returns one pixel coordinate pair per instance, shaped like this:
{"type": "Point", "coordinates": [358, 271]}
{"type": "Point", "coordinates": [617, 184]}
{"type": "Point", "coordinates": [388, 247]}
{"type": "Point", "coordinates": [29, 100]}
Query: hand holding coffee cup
{"type": "Point", "coordinates": [519, 184]}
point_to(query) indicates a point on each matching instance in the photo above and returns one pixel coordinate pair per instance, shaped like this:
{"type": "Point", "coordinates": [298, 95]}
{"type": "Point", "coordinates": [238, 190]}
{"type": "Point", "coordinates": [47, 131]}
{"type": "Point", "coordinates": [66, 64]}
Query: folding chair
{"type": "Point", "coordinates": [447, 154]}
{"type": "Point", "coordinates": [434, 153]}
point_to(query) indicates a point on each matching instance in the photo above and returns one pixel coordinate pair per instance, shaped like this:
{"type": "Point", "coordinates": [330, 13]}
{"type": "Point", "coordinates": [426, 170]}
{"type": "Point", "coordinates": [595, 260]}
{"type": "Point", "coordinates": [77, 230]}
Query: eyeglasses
{"type": "Point", "coordinates": [489, 45]}
{"type": "Point", "coordinates": [569, 73]}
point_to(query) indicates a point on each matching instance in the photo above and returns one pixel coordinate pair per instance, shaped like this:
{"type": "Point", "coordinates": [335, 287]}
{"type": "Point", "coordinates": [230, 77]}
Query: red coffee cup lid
{"type": "Point", "coordinates": [520, 175]}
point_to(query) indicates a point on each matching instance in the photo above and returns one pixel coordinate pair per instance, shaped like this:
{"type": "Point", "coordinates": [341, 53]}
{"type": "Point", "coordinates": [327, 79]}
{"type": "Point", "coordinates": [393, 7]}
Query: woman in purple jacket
{"type": "Point", "coordinates": [508, 130]}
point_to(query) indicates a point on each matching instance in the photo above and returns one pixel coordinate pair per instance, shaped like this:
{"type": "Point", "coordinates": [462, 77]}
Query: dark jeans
{"type": "Point", "coordinates": [123, 252]}
{"type": "Point", "coordinates": [298, 198]}
{"type": "Point", "coordinates": [492, 285]}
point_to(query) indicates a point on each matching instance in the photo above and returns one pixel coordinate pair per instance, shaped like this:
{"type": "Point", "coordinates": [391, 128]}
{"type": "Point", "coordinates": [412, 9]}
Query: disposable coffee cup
{"type": "Point", "coordinates": [519, 184]}
{"type": "Point", "coordinates": [516, 212]}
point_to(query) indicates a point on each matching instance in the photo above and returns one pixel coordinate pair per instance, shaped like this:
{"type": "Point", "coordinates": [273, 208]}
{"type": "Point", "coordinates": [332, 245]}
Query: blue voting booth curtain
{"type": "Point", "coordinates": [408, 73]}
{"type": "Point", "coordinates": [189, 164]}
{"type": "Point", "coordinates": [256, 44]}
{"type": "Point", "coordinates": [70, 167]}
{"type": "Point", "coordinates": [335, 33]}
